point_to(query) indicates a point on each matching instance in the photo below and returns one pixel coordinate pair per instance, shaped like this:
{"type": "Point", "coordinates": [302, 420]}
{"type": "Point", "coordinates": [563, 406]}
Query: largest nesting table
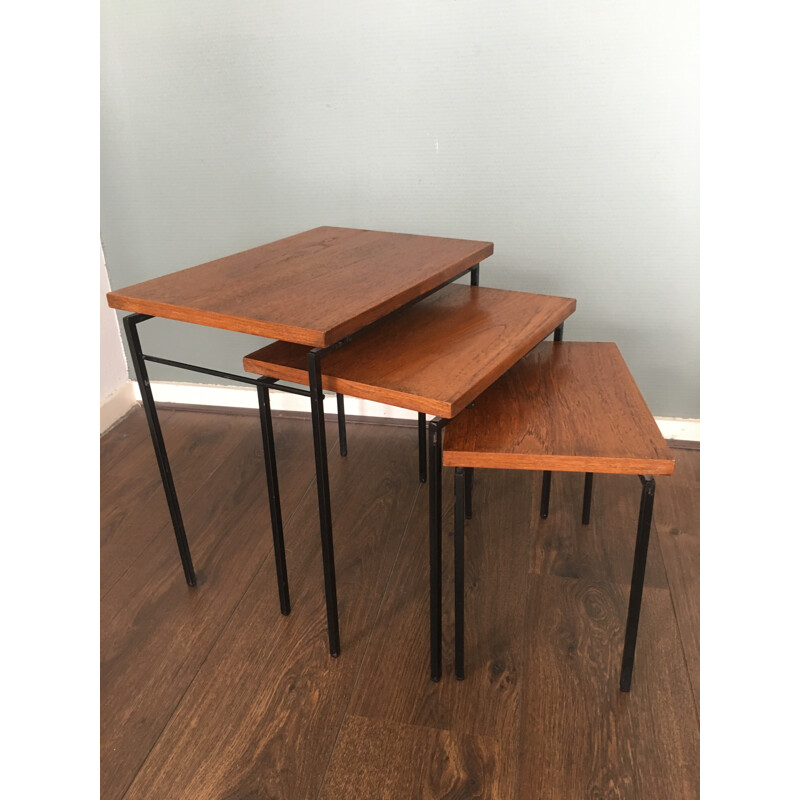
{"type": "Point", "coordinates": [318, 289]}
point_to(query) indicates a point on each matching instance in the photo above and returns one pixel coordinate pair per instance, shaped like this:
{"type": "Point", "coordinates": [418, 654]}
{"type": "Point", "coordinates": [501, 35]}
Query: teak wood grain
{"type": "Point", "coordinates": [313, 288]}
{"type": "Point", "coordinates": [567, 406]}
{"type": "Point", "coordinates": [436, 356]}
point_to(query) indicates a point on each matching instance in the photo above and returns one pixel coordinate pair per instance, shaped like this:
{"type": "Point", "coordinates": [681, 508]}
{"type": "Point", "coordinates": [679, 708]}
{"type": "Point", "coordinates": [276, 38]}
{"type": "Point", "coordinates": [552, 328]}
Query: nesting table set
{"type": "Point", "coordinates": [374, 315]}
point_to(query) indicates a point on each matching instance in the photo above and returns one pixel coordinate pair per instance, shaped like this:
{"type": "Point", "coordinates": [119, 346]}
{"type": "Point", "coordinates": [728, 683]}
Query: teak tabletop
{"type": "Point", "coordinates": [314, 288]}
{"type": "Point", "coordinates": [434, 357]}
{"type": "Point", "coordinates": [566, 406]}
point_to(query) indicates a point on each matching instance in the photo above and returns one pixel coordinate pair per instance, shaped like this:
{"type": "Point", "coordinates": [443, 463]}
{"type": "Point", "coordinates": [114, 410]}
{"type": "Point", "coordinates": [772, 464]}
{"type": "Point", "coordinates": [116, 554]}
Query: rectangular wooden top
{"type": "Point", "coordinates": [567, 406]}
{"type": "Point", "coordinates": [314, 288]}
{"type": "Point", "coordinates": [436, 356]}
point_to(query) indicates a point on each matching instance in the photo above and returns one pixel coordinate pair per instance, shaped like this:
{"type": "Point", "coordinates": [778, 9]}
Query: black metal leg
{"type": "Point", "coordinates": [268, 439]}
{"type": "Point", "coordinates": [637, 579]}
{"type": "Point", "coordinates": [342, 425]}
{"type": "Point", "coordinates": [545, 507]}
{"type": "Point", "coordinates": [469, 474]}
{"type": "Point", "coordinates": [130, 322]}
{"type": "Point", "coordinates": [475, 275]}
{"type": "Point", "coordinates": [435, 428]}
{"type": "Point", "coordinates": [558, 335]}
{"type": "Point", "coordinates": [458, 547]}
{"type": "Point", "coordinates": [587, 497]}
{"type": "Point", "coordinates": [323, 497]}
{"type": "Point", "coordinates": [423, 455]}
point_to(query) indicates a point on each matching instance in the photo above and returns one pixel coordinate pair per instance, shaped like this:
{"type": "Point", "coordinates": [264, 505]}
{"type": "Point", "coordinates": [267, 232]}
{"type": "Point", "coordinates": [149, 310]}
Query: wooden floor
{"type": "Point", "coordinates": [211, 693]}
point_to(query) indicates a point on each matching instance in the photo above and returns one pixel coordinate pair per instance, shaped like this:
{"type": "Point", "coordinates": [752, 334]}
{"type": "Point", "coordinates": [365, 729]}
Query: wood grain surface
{"type": "Point", "coordinates": [567, 406]}
{"type": "Point", "coordinates": [212, 694]}
{"type": "Point", "coordinates": [384, 761]}
{"type": "Point", "coordinates": [313, 288]}
{"type": "Point", "coordinates": [139, 511]}
{"type": "Point", "coordinates": [678, 527]}
{"type": "Point", "coordinates": [155, 631]}
{"type": "Point", "coordinates": [270, 684]}
{"type": "Point", "coordinates": [562, 546]}
{"type": "Point", "coordinates": [435, 357]}
{"type": "Point", "coordinates": [580, 736]}
{"type": "Point", "coordinates": [487, 704]}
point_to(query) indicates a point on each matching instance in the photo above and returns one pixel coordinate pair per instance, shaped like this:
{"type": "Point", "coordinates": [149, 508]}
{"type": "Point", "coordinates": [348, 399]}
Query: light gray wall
{"type": "Point", "coordinates": [566, 132]}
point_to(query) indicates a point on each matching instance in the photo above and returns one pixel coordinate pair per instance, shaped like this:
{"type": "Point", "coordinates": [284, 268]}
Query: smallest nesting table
{"type": "Point", "coordinates": [568, 406]}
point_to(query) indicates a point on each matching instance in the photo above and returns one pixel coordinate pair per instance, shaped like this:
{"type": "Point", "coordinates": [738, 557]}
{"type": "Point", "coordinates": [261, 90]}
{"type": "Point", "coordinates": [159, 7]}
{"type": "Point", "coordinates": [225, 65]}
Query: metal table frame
{"type": "Point", "coordinates": [263, 385]}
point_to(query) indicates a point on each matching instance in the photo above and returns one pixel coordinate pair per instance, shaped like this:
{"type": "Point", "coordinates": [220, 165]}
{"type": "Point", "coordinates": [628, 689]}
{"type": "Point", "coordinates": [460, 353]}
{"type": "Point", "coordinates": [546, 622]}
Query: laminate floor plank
{"type": "Point", "coordinates": [395, 689]}
{"type": "Point", "coordinates": [262, 715]}
{"type": "Point", "coordinates": [378, 760]}
{"type": "Point", "coordinates": [155, 630]}
{"type": "Point", "coordinates": [128, 433]}
{"type": "Point", "coordinates": [581, 736]}
{"type": "Point", "coordinates": [563, 546]}
{"type": "Point", "coordinates": [196, 443]}
{"type": "Point", "coordinates": [678, 526]}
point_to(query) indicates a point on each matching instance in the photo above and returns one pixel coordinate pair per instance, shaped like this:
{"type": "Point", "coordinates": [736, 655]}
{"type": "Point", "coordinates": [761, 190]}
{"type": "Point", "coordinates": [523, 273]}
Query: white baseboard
{"type": "Point", "coordinates": [195, 394]}
{"type": "Point", "coordinates": [117, 405]}
{"type": "Point", "coordinates": [685, 430]}
{"type": "Point", "coordinates": [245, 397]}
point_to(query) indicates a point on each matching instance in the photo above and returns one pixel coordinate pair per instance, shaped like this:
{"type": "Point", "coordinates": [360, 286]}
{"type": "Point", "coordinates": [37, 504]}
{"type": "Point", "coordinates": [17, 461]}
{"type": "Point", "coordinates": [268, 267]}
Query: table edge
{"type": "Point", "coordinates": [312, 337]}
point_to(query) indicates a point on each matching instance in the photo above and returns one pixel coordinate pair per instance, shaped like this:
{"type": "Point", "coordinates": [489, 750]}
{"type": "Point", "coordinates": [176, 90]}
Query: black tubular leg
{"type": "Point", "coordinates": [323, 497]}
{"type": "Point", "coordinates": [468, 475]}
{"type": "Point", "coordinates": [342, 425]}
{"type": "Point", "coordinates": [544, 510]}
{"type": "Point", "coordinates": [458, 549]}
{"type": "Point", "coordinates": [130, 322]}
{"type": "Point", "coordinates": [435, 428]}
{"type": "Point", "coordinates": [268, 439]}
{"type": "Point", "coordinates": [558, 335]}
{"type": "Point", "coordinates": [587, 497]}
{"type": "Point", "coordinates": [423, 455]}
{"type": "Point", "coordinates": [475, 275]}
{"type": "Point", "coordinates": [637, 579]}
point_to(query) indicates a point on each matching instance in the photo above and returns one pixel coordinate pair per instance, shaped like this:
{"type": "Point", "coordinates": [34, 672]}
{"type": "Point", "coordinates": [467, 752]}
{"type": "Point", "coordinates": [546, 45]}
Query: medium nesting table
{"type": "Point", "coordinates": [317, 289]}
{"type": "Point", "coordinates": [434, 357]}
